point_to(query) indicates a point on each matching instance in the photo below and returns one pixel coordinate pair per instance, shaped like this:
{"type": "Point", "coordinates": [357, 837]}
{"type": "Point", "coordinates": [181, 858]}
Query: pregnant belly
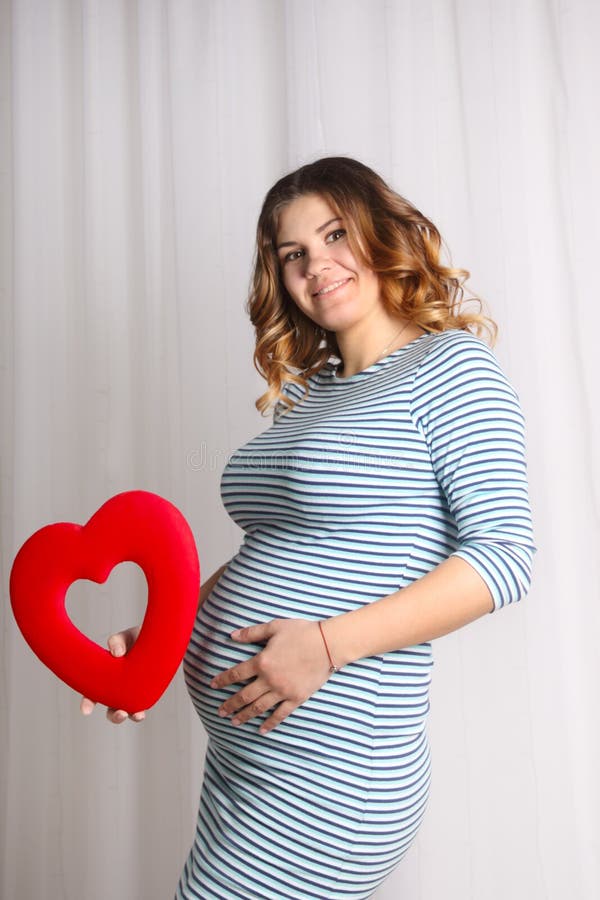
{"type": "Point", "coordinates": [384, 694]}
{"type": "Point", "coordinates": [211, 650]}
{"type": "Point", "coordinates": [340, 714]}
{"type": "Point", "coordinates": [242, 596]}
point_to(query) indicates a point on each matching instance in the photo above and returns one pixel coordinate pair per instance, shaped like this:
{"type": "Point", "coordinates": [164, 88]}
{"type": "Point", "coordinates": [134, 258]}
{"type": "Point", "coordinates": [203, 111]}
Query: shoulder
{"type": "Point", "coordinates": [457, 357]}
{"type": "Point", "coordinates": [457, 345]}
{"type": "Point", "coordinates": [460, 375]}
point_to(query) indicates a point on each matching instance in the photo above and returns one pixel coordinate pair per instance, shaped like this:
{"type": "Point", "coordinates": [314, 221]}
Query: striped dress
{"type": "Point", "coordinates": [364, 486]}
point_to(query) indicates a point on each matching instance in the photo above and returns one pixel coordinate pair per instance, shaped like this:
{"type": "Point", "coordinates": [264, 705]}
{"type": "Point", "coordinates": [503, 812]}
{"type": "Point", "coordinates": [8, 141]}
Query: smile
{"type": "Point", "coordinates": [331, 287]}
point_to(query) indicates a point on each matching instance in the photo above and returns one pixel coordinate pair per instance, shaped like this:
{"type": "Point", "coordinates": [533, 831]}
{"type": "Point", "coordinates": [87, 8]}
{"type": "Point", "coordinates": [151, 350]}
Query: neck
{"type": "Point", "coordinates": [361, 350]}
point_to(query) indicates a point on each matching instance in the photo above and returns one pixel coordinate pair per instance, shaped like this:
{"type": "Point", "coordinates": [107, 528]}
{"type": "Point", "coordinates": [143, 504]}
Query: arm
{"type": "Point", "coordinates": [470, 417]}
{"type": "Point", "coordinates": [450, 596]}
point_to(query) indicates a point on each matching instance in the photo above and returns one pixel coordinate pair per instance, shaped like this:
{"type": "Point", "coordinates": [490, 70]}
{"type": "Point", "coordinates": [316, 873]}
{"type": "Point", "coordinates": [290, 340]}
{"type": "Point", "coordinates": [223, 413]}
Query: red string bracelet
{"type": "Point", "coordinates": [332, 668]}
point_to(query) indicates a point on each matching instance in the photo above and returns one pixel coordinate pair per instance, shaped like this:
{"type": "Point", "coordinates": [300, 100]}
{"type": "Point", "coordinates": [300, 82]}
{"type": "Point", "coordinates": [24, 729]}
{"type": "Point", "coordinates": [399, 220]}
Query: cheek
{"type": "Point", "coordinates": [292, 285]}
{"type": "Point", "coordinates": [369, 279]}
{"type": "Point", "coordinates": [286, 281]}
{"type": "Point", "coordinates": [345, 257]}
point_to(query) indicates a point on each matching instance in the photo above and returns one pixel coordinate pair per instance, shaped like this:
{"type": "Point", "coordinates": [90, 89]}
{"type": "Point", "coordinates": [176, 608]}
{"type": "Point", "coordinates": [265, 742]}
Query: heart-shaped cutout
{"type": "Point", "coordinates": [135, 526]}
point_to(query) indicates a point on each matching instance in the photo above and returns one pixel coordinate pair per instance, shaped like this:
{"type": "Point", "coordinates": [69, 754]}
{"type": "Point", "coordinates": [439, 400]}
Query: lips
{"type": "Point", "coordinates": [326, 289]}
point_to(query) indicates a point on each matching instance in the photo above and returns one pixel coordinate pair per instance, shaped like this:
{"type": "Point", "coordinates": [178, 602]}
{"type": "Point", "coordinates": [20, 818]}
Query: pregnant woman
{"type": "Point", "coordinates": [386, 505]}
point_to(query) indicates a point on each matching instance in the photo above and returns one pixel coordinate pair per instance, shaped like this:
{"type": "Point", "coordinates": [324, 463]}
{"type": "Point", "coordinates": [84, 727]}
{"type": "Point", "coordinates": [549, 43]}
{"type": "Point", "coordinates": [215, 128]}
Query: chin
{"type": "Point", "coordinates": [335, 319]}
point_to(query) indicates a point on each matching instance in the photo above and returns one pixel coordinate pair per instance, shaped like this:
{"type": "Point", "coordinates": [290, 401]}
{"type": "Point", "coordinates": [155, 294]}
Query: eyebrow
{"type": "Point", "coordinates": [318, 231]}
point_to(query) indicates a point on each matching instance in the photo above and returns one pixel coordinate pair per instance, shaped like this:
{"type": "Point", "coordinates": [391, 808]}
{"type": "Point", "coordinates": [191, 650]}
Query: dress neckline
{"type": "Point", "coordinates": [374, 367]}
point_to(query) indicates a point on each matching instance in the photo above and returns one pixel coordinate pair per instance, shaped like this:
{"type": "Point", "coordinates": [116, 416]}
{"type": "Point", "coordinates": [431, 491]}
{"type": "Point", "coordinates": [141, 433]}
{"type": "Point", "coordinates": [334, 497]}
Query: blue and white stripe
{"type": "Point", "coordinates": [364, 486]}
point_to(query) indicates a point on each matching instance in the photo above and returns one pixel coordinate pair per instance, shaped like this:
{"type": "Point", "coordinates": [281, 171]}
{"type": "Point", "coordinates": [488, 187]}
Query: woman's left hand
{"type": "Point", "coordinates": [292, 666]}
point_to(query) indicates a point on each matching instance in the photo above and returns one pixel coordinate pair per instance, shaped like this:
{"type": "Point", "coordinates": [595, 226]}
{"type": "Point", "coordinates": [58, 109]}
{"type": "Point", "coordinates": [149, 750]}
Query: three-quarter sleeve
{"type": "Point", "coordinates": [471, 419]}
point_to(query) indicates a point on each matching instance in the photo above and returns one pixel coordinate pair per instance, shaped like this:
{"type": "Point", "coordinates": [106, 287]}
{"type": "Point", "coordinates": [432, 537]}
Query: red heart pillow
{"type": "Point", "coordinates": [135, 526]}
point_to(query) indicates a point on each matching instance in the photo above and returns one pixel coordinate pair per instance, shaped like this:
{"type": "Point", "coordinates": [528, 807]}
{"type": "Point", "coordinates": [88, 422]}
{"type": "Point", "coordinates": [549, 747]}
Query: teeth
{"type": "Point", "coordinates": [331, 287]}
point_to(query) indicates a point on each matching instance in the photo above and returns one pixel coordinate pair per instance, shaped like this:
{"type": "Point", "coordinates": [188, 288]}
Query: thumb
{"type": "Point", "coordinates": [121, 643]}
{"type": "Point", "coordinates": [116, 644]}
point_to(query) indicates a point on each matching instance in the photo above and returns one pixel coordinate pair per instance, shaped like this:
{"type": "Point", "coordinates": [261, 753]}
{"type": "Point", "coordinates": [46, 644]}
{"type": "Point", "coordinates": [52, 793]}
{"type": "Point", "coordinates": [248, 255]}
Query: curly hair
{"type": "Point", "coordinates": [387, 234]}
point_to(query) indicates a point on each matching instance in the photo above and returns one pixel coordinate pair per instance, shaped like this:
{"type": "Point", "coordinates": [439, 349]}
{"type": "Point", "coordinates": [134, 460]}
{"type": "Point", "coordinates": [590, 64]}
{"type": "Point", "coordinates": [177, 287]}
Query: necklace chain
{"type": "Point", "coordinates": [392, 342]}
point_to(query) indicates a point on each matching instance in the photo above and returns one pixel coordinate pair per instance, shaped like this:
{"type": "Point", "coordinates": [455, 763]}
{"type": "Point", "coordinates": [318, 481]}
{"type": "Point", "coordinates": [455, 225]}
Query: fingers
{"type": "Point", "coordinates": [241, 672]}
{"type": "Point", "coordinates": [117, 716]}
{"type": "Point", "coordinates": [121, 715]}
{"type": "Point", "coordinates": [282, 712]}
{"type": "Point", "coordinates": [261, 705]}
{"type": "Point", "coordinates": [86, 706]}
{"type": "Point", "coordinates": [286, 672]}
{"type": "Point", "coordinates": [121, 642]}
{"type": "Point", "coordinates": [118, 644]}
{"type": "Point", "coordinates": [250, 696]}
{"type": "Point", "coordinates": [255, 634]}
{"type": "Point", "coordinates": [253, 700]}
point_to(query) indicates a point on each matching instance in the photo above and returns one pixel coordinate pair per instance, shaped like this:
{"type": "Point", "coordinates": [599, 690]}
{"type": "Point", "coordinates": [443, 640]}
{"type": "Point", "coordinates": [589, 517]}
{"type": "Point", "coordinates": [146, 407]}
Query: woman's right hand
{"type": "Point", "coordinates": [118, 644]}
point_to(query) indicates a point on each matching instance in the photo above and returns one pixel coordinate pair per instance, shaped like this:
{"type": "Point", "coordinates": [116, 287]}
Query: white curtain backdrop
{"type": "Point", "coordinates": [137, 141]}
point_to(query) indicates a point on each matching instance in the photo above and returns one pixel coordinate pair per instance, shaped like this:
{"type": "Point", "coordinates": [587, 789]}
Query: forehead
{"type": "Point", "coordinates": [303, 215]}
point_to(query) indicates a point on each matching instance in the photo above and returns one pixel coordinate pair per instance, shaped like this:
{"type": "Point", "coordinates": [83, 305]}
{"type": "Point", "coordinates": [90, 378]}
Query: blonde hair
{"type": "Point", "coordinates": [387, 234]}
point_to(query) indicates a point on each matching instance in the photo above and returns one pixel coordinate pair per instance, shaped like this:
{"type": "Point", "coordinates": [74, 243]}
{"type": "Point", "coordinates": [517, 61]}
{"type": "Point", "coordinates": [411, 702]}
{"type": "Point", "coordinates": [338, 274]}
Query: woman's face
{"type": "Point", "coordinates": [319, 270]}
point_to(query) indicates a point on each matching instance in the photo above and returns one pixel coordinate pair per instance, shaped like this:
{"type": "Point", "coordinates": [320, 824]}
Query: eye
{"type": "Point", "coordinates": [290, 257]}
{"type": "Point", "coordinates": [336, 235]}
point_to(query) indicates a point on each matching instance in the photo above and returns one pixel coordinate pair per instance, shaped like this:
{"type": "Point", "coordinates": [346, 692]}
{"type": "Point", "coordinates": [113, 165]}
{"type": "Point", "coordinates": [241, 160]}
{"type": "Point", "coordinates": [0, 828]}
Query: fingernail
{"type": "Point", "coordinates": [235, 633]}
{"type": "Point", "coordinates": [235, 721]}
{"type": "Point", "coordinates": [118, 651]}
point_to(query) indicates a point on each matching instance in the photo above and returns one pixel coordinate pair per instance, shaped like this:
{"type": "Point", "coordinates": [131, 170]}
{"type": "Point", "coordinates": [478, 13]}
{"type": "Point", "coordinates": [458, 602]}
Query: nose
{"type": "Point", "coordinates": [315, 262]}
